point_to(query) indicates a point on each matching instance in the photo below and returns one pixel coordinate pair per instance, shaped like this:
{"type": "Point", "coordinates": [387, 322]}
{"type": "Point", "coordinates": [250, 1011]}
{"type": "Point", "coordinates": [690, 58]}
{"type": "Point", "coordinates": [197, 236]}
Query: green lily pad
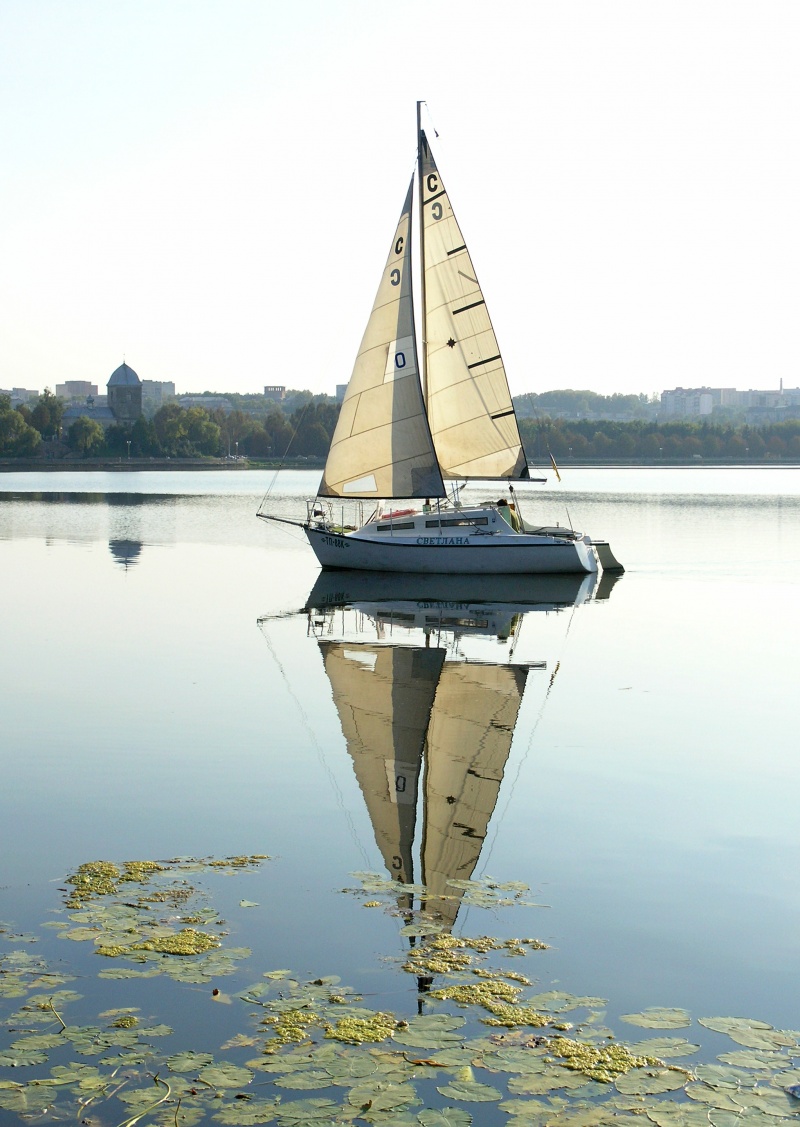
{"type": "Point", "coordinates": [303, 1081]}
{"type": "Point", "coordinates": [225, 1075]}
{"type": "Point", "coordinates": [666, 1048]}
{"type": "Point", "coordinates": [37, 1041]}
{"type": "Point", "coordinates": [188, 1061]}
{"type": "Point", "coordinates": [444, 1117]}
{"type": "Point", "coordinates": [769, 1101]}
{"type": "Point", "coordinates": [749, 1032]}
{"type": "Point", "coordinates": [244, 1113]}
{"type": "Point", "coordinates": [659, 1017]}
{"type": "Point", "coordinates": [751, 1058]}
{"type": "Point", "coordinates": [678, 1115]}
{"type": "Point", "coordinates": [551, 1078]}
{"type": "Point", "coordinates": [22, 1058]}
{"type": "Point", "coordinates": [383, 1096]}
{"type": "Point", "coordinates": [471, 1090]}
{"type": "Point", "coordinates": [650, 1081]}
{"type": "Point", "coordinates": [721, 1098]}
{"type": "Point", "coordinates": [28, 1100]}
{"type": "Point", "coordinates": [307, 1111]}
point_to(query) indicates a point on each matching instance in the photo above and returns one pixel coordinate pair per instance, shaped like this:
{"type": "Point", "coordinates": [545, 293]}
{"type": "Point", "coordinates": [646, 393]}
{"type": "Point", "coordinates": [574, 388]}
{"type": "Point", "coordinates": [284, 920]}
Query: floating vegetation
{"type": "Point", "coordinates": [604, 1063]}
{"type": "Point", "coordinates": [360, 1030]}
{"type": "Point", "coordinates": [310, 1052]}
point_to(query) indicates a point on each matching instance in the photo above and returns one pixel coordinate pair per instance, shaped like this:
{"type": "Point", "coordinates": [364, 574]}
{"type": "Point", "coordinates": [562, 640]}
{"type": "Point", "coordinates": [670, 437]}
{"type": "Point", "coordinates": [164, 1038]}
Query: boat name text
{"type": "Point", "coordinates": [335, 542]}
{"type": "Point", "coordinates": [442, 541]}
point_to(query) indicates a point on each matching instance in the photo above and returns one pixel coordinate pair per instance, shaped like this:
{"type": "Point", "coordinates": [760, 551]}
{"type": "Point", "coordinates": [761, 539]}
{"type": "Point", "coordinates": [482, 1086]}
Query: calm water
{"type": "Point", "coordinates": [164, 693]}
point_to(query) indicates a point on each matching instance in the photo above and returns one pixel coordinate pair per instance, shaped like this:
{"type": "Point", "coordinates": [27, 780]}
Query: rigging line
{"type": "Point", "coordinates": [525, 754]}
{"type": "Point", "coordinates": [315, 742]}
{"type": "Point", "coordinates": [285, 454]}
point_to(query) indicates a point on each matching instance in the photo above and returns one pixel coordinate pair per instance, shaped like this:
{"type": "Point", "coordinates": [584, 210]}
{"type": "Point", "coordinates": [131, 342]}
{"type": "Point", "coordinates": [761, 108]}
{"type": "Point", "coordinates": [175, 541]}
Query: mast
{"type": "Point", "coordinates": [423, 323]}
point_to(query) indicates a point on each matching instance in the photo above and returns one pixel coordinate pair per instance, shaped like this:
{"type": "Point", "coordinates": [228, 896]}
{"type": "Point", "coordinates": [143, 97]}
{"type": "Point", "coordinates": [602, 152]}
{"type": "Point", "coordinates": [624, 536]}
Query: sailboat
{"type": "Point", "coordinates": [415, 421]}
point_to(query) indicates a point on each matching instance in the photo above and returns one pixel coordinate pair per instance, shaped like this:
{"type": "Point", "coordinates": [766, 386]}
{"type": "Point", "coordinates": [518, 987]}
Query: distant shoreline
{"type": "Point", "coordinates": [147, 465]}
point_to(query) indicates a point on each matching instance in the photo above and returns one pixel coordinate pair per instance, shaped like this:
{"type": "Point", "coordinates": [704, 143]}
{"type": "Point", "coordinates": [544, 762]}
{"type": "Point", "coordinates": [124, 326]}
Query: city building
{"type": "Point", "coordinates": [155, 395]}
{"type": "Point", "coordinates": [76, 389]}
{"type": "Point", "coordinates": [693, 402]}
{"type": "Point", "coordinates": [756, 406]}
{"type": "Point", "coordinates": [19, 395]}
{"type": "Point", "coordinates": [275, 391]}
{"type": "Point", "coordinates": [122, 404]}
{"type": "Point", "coordinates": [125, 394]}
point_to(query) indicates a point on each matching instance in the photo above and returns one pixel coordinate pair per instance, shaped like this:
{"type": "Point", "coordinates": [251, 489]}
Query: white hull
{"type": "Point", "coordinates": [515, 554]}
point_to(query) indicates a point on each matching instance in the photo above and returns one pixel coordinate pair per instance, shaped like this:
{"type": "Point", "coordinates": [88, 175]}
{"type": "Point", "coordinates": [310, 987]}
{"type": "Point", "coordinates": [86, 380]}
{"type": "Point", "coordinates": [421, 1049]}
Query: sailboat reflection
{"type": "Point", "coordinates": [429, 728]}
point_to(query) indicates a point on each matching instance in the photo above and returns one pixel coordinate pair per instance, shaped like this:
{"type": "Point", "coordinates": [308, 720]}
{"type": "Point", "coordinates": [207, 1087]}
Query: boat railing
{"type": "Point", "coordinates": [322, 515]}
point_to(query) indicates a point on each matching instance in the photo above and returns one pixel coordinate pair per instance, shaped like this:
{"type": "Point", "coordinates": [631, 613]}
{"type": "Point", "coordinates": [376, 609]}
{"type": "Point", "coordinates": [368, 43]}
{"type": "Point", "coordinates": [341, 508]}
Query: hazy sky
{"type": "Point", "coordinates": [209, 187]}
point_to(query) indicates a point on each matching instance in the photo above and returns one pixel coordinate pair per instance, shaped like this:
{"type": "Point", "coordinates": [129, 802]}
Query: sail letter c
{"type": "Point", "coordinates": [436, 210]}
{"type": "Point", "coordinates": [394, 277]}
{"type": "Point", "coordinates": [432, 182]}
{"type": "Point", "coordinates": [398, 246]}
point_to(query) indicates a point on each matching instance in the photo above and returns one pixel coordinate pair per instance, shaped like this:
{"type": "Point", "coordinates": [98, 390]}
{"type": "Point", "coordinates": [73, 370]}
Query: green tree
{"type": "Point", "coordinates": [47, 414]}
{"type": "Point", "coordinates": [86, 436]}
{"type": "Point", "coordinates": [17, 438]}
{"type": "Point", "coordinates": [170, 427]}
{"type": "Point", "coordinates": [144, 440]}
{"type": "Point", "coordinates": [117, 437]}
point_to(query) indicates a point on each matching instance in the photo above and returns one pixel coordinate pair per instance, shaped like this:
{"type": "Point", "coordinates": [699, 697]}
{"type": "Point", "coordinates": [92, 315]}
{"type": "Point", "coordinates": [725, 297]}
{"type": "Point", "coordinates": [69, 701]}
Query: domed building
{"type": "Point", "coordinates": [125, 394]}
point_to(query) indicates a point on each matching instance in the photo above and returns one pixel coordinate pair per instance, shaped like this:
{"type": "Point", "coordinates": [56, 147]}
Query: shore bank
{"type": "Point", "coordinates": [143, 465]}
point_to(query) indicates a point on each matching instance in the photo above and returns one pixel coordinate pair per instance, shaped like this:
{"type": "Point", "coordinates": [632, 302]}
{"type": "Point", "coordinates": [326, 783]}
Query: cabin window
{"type": "Point", "coordinates": [394, 527]}
{"type": "Point", "coordinates": [456, 522]}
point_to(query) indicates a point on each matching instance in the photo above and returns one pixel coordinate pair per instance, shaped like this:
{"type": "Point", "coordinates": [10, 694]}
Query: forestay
{"type": "Point", "coordinates": [382, 443]}
{"type": "Point", "coordinates": [469, 405]}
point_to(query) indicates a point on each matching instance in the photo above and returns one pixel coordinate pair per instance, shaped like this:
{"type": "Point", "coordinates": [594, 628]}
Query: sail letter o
{"type": "Point", "coordinates": [399, 360]}
{"type": "Point", "coordinates": [394, 277]}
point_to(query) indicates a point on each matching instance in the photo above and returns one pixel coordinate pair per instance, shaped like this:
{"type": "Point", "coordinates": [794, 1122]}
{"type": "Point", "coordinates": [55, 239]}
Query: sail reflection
{"type": "Point", "coordinates": [429, 727]}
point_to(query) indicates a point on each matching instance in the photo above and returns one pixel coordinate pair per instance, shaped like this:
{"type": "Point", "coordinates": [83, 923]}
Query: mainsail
{"type": "Point", "coordinates": [382, 443]}
{"type": "Point", "coordinates": [469, 405]}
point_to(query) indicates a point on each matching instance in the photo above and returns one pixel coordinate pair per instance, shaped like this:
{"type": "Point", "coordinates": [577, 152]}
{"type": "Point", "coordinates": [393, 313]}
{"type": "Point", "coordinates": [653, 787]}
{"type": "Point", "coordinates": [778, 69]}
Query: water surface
{"type": "Point", "coordinates": [166, 694]}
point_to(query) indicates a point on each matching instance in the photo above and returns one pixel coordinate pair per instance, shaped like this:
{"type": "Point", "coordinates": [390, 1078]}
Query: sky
{"type": "Point", "coordinates": [208, 188]}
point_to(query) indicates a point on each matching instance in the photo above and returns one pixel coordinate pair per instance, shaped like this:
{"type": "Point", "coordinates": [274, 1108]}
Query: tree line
{"type": "Point", "coordinates": [194, 432]}
{"type": "Point", "coordinates": [638, 440]}
{"type": "Point", "coordinates": [173, 432]}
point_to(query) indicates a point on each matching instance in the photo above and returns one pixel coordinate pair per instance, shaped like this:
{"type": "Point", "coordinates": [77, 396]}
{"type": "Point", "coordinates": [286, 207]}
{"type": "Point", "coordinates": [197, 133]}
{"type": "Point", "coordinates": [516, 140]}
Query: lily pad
{"type": "Point", "coordinates": [244, 1113]}
{"type": "Point", "coordinates": [470, 1090]}
{"type": "Point", "coordinates": [383, 1096]}
{"type": "Point", "coordinates": [659, 1017]}
{"type": "Point", "coordinates": [22, 1058]}
{"type": "Point", "coordinates": [303, 1081]}
{"type": "Point", "coordinates": [445, 1117]}
{"type": "Point", "coordinates": [307, 1111]}
{"type": "Point", "coordinates": [188, 1061]}
{"type": "Point", "coordinates": [678, 1115]}
{"type": "Point", "coordinates": [665, 1048]}
{"type": "Point", "coordinates": [749, 1032]}
{"type": "Point", "coordinates": [650, 1081]}
{"type": "Point", "coordinates": [225, 1075]}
